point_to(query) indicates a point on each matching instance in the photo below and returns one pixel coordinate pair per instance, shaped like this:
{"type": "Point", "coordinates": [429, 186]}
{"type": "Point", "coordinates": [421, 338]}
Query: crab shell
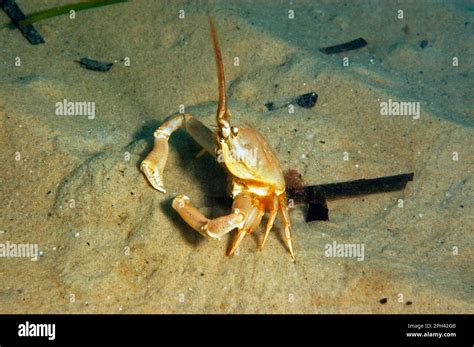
{"type": "Point", "coordinates": [251, 162]}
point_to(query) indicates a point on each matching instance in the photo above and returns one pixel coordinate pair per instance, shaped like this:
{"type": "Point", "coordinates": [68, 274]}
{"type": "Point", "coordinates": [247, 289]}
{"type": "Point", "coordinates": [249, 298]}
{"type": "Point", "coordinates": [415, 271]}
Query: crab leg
{"type": "Point", "coordinates": [214, 228]}
{"type": "Point", "coordinates": [252, 223]}
{"type": "Point", "coordinates": [247, 204]}
{"type": "Point", "coordinates": [155, 162]}
{"type": "Point", "coordinates": [245, 216]}
{"type": "Point", "coordinates": [271, 220]}
{"type": "Point", "coordinates": [240, 236]}
{"type": "Point", "coordinates": [283, 210]}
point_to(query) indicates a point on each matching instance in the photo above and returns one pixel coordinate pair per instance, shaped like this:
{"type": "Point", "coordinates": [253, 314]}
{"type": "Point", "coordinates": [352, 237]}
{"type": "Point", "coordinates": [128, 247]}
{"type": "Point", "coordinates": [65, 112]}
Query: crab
{"type": "Point", "coordinates": [257, 181]}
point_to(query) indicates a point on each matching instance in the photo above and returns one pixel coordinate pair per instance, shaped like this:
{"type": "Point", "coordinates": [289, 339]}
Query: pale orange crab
{"type": "Point", "coordinates": [258, 184]}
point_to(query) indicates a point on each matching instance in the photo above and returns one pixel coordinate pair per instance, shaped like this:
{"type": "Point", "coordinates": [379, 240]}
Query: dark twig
{"type": "Point", "coordinates": [315, 196]}
{"type": "Point", "coordinates": [348, 46]}
{"type": "Point", "coordinates": [16, 15]}
{"type": "Point", "coordinates": [95, 65]}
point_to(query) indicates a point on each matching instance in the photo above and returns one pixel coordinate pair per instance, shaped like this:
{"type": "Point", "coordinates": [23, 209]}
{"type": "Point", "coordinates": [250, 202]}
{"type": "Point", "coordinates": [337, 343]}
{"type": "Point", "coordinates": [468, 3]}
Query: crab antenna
{"type": "Point", "coordinates": [222, 113]}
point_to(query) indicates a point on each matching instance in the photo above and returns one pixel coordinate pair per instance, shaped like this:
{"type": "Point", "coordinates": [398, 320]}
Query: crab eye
{"type": "Point", "coordinates": [235, 131]}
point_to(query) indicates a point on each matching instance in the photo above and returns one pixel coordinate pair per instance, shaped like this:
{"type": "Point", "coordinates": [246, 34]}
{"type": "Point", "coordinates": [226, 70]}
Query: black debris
{"type": "Point", "coordinates": [317, 208]}
{"type": "Point", "coordinates": [94, 65]}
{"type": "Point", "coordinates": [360, 187]}
{"type": "Point", "coordinates": [348, 46]}
{"type": "Point", "coordinates": [424, 43]}
{"type": "Point", "coordinates": [270, 106]}
{"type": "Point", "coordinates": [383, 301]}
{"type": "Point", "coordinates": [409, 303]}
{"type": "Point", "coordinates": [315, 196]}
{"type": "Point", "coordinates": [16, 15]}
{"type": "Point", "coordinates": [307, 100]}
{"type": "Point", "coordinates": [367, 186]}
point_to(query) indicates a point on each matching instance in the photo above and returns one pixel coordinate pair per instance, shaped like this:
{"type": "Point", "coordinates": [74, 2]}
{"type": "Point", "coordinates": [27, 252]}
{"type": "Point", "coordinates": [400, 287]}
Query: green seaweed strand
{"type": "Point", "coordinates": [32, 18]}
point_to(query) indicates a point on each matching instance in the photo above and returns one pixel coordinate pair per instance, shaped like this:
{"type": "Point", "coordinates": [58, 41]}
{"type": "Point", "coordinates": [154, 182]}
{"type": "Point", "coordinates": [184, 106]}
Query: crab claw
{"type": "Point", "coordinates": [153, 175]}
{"type": "Point", "coordinates": [155, 162]}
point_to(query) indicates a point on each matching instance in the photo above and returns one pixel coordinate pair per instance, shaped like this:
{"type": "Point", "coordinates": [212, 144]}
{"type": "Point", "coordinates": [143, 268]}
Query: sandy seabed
{"type": "Point", "coordinates": [110, 243]}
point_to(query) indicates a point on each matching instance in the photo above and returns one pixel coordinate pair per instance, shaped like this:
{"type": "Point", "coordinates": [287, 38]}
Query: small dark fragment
{"type": "Point", "coordinates": [348, 46]}
{"type": "Point", "coordinates": [16, 15]}
{"type": "Point", "coordinates": [383, 301]}
{"type": "Point", "coordinates": [270, 106]}
{"type": "Point", "coordinates": [94, 65]}
{"type": "Point", "coordinates": [317, 208]}
{"type": "Point", "coordinates": [307, 100]}
{"type": "Point", "coordinates": [409, 303]}
{"type": "Point", "coordinates": [424, 43]}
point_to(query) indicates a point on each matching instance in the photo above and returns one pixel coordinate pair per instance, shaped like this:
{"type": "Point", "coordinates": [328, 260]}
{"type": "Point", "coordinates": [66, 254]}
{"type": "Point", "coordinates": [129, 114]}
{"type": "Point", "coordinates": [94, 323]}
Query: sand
{"type": "Point", "coordinates": [112, 244]}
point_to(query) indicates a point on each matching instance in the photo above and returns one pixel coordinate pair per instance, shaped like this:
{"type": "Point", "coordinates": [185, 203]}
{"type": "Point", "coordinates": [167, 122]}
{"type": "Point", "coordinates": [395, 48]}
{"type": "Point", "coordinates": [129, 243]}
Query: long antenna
{"type": "Point", "coordinates": [222, 113]}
